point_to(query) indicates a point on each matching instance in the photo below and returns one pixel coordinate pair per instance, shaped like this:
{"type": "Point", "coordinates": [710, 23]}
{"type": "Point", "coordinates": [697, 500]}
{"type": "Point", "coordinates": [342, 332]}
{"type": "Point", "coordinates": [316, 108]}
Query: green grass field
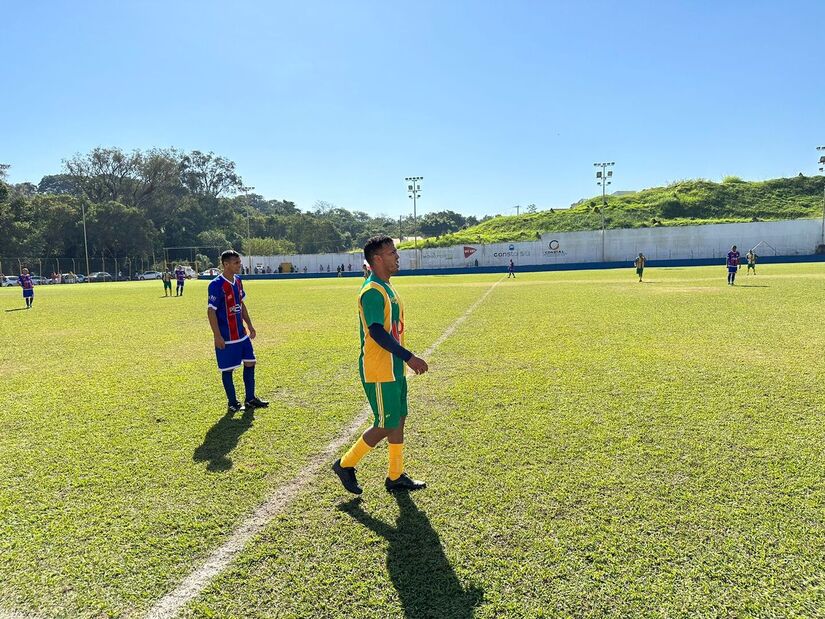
{"type": "Point", "coordinates": [594, 447]}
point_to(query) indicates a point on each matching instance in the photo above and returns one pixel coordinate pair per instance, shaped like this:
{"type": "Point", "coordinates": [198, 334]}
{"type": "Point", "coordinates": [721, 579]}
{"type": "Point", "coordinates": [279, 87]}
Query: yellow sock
{"type": "Point", "coordinates": [355, 453]}
{"type": "Point", "coordinates": [396, 466]}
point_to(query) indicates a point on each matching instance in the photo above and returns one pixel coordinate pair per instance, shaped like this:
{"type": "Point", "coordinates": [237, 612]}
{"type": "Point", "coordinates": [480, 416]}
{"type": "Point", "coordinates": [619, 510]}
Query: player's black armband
{"type": "Point", "coordinates": [388, 342]}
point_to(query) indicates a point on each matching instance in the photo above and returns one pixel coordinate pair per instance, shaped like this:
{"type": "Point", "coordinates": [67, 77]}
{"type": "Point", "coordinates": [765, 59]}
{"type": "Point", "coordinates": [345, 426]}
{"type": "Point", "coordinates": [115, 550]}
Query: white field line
{"type": "Point", "coordinates": [170, 604]}
{"type": "Point", "coordinates": [13, 614]}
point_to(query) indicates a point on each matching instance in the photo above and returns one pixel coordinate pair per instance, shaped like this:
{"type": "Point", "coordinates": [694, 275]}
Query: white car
{"type": "Point", "coordinates": [39, 280]}
{"type": "Point", "coordinates": [9, 280]}
{"type": "Point", "coordinates": [150, 275]}
{"type": "Point", "coordinates": [210, 272]}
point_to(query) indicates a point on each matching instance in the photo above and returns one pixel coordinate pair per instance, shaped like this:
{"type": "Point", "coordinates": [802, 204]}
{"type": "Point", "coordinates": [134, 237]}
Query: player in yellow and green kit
{"type": "Point", "coordinates": [381, 366]}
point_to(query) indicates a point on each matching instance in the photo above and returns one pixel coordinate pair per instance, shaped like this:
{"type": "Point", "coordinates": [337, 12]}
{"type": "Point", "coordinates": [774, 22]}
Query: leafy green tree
{"type": "Point", "coordinates": [208, 174]}
{"type": "Point", "coordinates": [119, 228]}
{"type": "Point", "coordinates": [213, 238]}
{"type": "Point", "coordinates": [442, 222]}
{"type": "Point", "coordinates": [58, 184]}
{"type": "Point", "coordinates": [59, 229]}
{"type": "Point", "coordinates": [110, 174]}
{"type": "Point", "coordinates": [267, 247]}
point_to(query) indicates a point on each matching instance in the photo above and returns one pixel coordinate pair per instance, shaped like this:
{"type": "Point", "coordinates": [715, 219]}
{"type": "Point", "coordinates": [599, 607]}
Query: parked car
{"type": "Point", "coordinates": [100, 276]}
{"type": "Point", "coordinates": [80, 278]}
{"type": "Point", "coordinates": [210, 272]}
{"type": "Point", "coordinates": [69, 278]}
{"type": "Point", "coordinates": [149, 275]}
{"type": "Point", "coordinates": [9, 280]}
{"type": "Point", "coordinates": [39, 280]}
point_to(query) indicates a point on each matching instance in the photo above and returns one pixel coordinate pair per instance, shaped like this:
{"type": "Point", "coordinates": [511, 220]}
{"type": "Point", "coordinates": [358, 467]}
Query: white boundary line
{"type": "Point", "coordinates": [13, 614]}
{"type": "Point", "coordinates": [191, 586]}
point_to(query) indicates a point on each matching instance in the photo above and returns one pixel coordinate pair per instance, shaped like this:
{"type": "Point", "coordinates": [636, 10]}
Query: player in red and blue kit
{"type": "Point", "coordinates": [233, 344]}
{"type": "Point", "coordinates": [25, 280]}
{"type": "Point", "coordinates": [732, 264]}
{"type": "Point", "coordinates": [180, 275]}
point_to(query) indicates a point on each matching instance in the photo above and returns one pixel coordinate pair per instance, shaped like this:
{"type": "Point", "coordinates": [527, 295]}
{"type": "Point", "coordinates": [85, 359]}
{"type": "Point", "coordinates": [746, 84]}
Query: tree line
{"type": "Point", "coordinates": [137, 203]}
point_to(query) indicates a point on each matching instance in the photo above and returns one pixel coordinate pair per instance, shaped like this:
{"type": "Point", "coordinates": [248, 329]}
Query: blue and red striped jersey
{"type": "Point", "coordinates": [25, 281]}
{"type": "Point", "coordinates": [225, 297]}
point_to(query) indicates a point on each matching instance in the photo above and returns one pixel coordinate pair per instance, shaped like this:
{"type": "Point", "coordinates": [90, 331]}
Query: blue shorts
{"type": "Point", "coordinates": [234, 355]}
{"type": "Point", "coordinates": [732, 269]}
{"type": "Point", "coordinates": [28, 293]}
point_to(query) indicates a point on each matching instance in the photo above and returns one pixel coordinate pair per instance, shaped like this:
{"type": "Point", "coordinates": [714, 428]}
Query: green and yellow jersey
{"type": "Point", "coordinates": [379, 303]}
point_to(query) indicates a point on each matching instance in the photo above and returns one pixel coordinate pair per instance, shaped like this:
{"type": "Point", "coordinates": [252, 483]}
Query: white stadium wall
{"type": "Point", "coordinates": [772, 238]}
{"type": "Point", "coordinates": [313, 262]}
{"type": "Point", "coordinates": [780, 238]}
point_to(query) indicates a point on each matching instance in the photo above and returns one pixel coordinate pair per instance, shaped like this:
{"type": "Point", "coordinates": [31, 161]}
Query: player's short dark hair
{"type": "Point", "coordinates": [229, 254]}
{"type": "Point", "coordinates": [374, 245]}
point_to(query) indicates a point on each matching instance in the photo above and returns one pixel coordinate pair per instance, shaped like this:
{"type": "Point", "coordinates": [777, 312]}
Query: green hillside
{"type": "Point", "coordinates": [682, 203]}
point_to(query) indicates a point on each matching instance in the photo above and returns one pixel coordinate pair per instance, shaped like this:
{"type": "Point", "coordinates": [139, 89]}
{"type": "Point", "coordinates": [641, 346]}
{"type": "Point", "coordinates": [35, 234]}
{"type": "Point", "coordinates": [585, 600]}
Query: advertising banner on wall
{"type": "Point", "coordinates": [782, 238]}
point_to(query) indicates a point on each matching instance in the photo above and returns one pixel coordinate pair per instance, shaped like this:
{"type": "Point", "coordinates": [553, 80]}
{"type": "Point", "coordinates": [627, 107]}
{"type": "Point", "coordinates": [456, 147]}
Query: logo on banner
{"type": "Point", "coordinates": [469, 251]}
{"type": "Point", "coordinates": [514, 251]}
{"type": "Point", "coordinates": [554, 248]}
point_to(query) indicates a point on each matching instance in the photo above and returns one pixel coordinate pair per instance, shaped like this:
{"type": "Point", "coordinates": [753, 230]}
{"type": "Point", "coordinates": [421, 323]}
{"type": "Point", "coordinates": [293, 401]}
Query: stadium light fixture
{"type": "Point", "coordinates": [414, 191]}
{"type": "Point", "coordinates": [602, 179]}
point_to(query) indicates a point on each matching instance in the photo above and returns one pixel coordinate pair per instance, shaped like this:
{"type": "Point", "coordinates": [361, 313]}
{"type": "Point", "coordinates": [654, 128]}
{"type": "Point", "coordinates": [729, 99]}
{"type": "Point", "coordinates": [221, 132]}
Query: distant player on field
{"type": "Point", "coordinates": [511, 270]}
{"type": "Point", "coordinates": [752, 258]}
{"type": "Point", "coordinates": [382, 369]}
{"type": "Point", "coordinates": [640, 263]}
{"type": "Point", "coordinates": [732, 264]}
{"type": "Point", "coordinates": [180, 275]}
{"type": "Point", "coordinates": [233, 347]}
{"type": "Point", "coordinates": [25, 280]}
{"type": "Point", "coordinates": [167, 283]}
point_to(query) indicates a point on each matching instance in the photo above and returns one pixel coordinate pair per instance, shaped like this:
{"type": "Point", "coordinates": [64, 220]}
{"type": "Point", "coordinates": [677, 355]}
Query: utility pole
{"type": "Point", "coordinates": [400, 235]}
{"type": "Point", "coordinates": [603, 177]}
{"type": "Point", "coordinates": [414, 191]}
{"type": "Point", "coordinates": [518, 208]}
{"type": "Point", "coordinates": [822, 169]}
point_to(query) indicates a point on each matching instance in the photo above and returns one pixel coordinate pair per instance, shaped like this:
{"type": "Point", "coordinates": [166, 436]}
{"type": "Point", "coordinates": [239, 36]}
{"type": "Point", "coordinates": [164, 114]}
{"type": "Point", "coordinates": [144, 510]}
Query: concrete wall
{"type": "Point", "coordinates": [781, 238]}
{"type": "Point", "coordinates": [312, 262]}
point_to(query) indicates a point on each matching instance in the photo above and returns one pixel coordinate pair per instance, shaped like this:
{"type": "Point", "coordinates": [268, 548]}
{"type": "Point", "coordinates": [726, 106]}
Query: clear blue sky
{"type": "Point", "coordinates": [493, 103]}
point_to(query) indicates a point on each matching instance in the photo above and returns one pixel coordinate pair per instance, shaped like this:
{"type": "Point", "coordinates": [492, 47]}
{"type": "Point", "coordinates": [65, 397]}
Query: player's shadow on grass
{"type": "Point", "coordinates": [222, 438]}
{"type": "Point", "coordinates": [17, 309]}
{"type": "Point", "coordinates": [418, 567]}
{"type": "Point", "coordinates": [753, 285]}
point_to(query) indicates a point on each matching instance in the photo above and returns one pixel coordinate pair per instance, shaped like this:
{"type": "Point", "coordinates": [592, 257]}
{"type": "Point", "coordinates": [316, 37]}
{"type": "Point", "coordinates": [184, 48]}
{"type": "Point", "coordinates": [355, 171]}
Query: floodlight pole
{"type": "Point", "coordinates": [248, 226]}
{"type": "Point", "coordinates": [602, 178]}
{"type": "Point", "coordinates": [821, 149]}
{"type": "Point", "coordinates": [85, 242]}
{"type": "Point", "coordinates": [414, 189]}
